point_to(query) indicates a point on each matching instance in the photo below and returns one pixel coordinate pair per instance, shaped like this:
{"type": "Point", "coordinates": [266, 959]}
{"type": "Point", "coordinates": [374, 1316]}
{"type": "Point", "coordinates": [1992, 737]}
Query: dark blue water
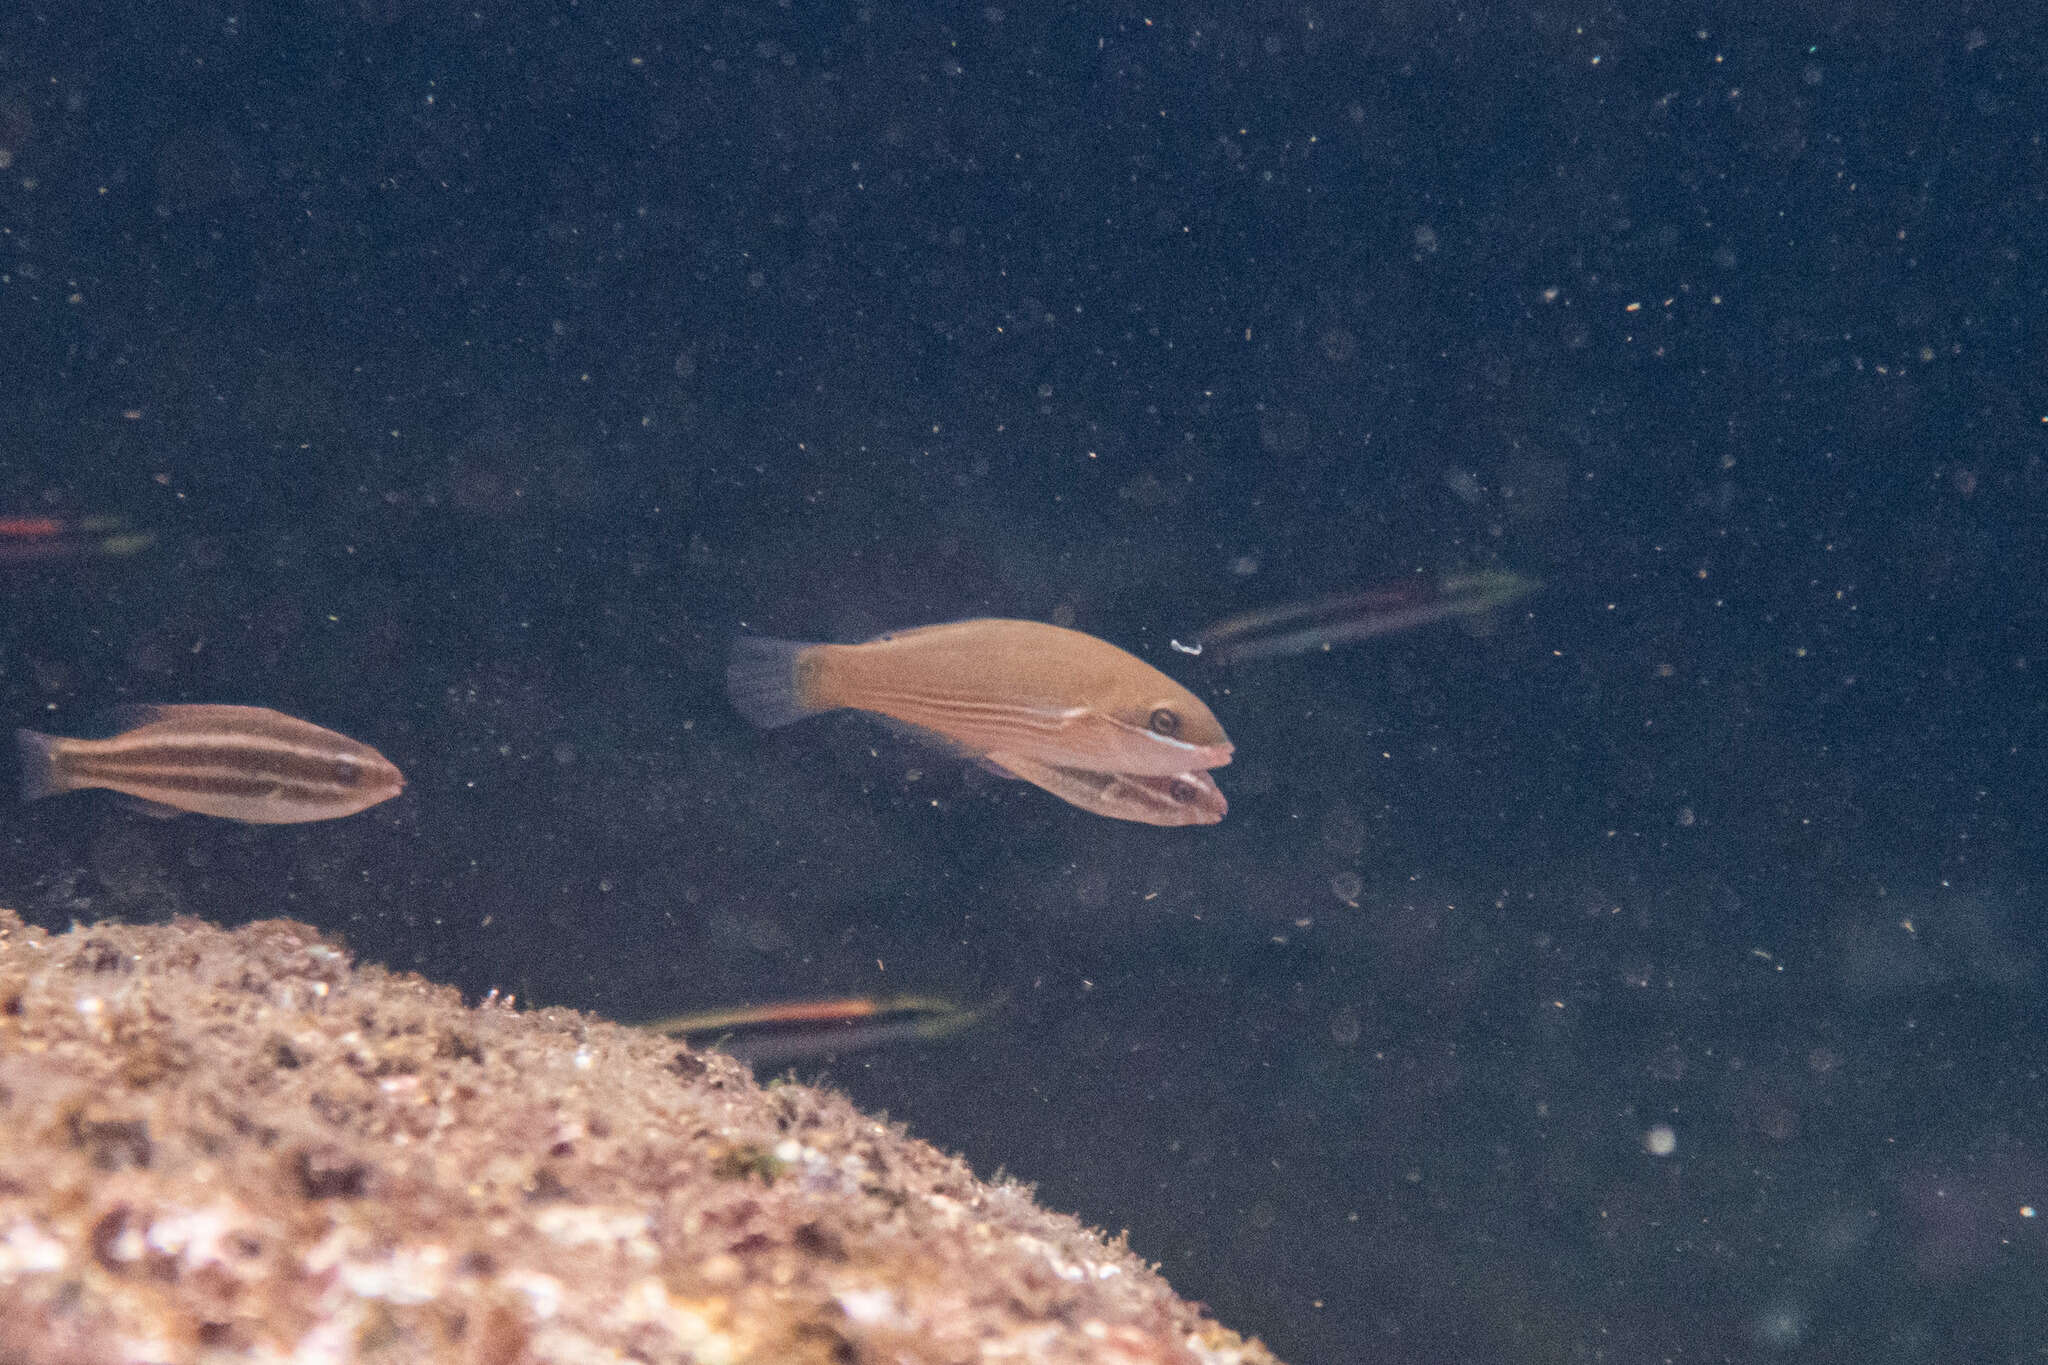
{"type": "Point", "coordinates": [483, 374]}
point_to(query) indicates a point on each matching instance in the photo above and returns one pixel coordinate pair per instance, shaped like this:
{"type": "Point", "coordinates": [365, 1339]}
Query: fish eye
{"type": "Point", "coordinates": [1164, 720]}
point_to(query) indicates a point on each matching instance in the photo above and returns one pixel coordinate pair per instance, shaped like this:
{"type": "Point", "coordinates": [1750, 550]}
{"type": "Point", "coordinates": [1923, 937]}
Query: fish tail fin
{"type": "Point", "coordinates": [39, 776]}
{"type": "Point", "coordinates": [765, 682]}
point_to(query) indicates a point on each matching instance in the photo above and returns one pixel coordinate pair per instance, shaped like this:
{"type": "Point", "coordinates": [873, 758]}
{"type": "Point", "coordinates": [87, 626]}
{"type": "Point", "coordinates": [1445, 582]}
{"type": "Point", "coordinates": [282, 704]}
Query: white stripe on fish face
{"type": "Point", "coordinates": [1076, 736]}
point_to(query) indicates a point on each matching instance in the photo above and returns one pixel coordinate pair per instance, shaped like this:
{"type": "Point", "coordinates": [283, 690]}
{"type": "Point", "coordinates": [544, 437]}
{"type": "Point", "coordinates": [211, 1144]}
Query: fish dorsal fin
{"type": "Point", "coordinates": [128, 715]}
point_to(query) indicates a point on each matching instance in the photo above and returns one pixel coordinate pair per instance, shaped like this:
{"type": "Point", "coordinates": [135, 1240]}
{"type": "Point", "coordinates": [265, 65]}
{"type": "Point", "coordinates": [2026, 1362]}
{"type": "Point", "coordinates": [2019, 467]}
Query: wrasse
{"type": "Point", "coordinates": [796, 1029]}
{"type": "Point", "coordinates": [1086, 721]}
{"type": "Point", "coordinates": [238, 762]}
{"type": "Point", "coordinates": [1300, 627]}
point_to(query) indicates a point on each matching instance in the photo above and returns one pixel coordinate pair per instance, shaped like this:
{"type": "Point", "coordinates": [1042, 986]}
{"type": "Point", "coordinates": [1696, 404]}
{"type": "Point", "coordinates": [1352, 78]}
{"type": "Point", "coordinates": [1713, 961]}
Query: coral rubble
{"type": "Point", "coordinates": [239, 1145]}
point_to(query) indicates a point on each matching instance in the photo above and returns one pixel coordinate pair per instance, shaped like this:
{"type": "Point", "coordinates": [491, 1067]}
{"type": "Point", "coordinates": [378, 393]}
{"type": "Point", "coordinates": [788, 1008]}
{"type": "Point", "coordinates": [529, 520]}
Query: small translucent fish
{"type": "Point", "coordinates": [1086, 721]}
{"type": "Point", "coordinates": [40, 540]}
{"type": "Point", "coordinates": [1300, 627]}
{"type": "Point", "coordinates": [794, 1029]}
{"type": "Point", "coordinates": [244, 763]}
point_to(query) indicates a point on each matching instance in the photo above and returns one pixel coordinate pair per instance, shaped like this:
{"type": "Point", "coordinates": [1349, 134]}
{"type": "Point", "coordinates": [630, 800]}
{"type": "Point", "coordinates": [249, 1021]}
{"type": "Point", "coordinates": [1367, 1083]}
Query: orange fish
{"type": "Point", "coordinates": [238, 762]}
{"type": "Point", "coordinates": [1086, 721]}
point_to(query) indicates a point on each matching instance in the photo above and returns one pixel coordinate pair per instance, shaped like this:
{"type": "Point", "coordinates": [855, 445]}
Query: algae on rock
{"type": "Point", "coordinates": [221, 1144]}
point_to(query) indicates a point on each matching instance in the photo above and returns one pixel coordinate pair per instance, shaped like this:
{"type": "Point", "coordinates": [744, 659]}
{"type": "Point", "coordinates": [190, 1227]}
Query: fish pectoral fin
{"type": "Point", "coordinates": [155, 810]}
{"type": "Point", "coordinates": [127, 715]}
{"type": "Point", "coordinates": [924, 736]}
{"type": "Point", "coordinates": [1078, 785]}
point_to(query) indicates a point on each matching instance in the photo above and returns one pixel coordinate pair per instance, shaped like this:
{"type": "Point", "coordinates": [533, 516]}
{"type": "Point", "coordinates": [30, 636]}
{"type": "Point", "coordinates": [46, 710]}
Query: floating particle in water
{"type": "Point", "coordinates": [1660, 1140]}
{"type": "Point", "coordinates": [1780, 1326]}
{"type": "Point", "coordinates": [1345, 1027]}
{"type": "Point", "coordinates": [1347, 887]}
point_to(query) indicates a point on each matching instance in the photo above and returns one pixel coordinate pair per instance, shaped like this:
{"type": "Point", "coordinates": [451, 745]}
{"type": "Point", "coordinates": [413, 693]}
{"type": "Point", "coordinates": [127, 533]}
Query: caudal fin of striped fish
{"type": "Point", "coordinates": [39, 774]}
{"type": "Point", "coordinates": [763, 682]}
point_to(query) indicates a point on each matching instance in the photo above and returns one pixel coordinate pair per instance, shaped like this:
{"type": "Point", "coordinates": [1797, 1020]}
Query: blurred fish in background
{"type": "Point", "coordinates": [796, 1029]}
{"type": "Point", "coordinates": [245, 763]}
{"type": "Point", "coordinates": [45, 540]}
{"type": "Point", "coordinates": [1325, 622]}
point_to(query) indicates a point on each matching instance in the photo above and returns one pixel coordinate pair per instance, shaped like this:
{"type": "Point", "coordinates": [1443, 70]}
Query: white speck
{"type": "Point", "coordinates": [1660, 1140]}
{"type": "Point", "coordinates": [578, 1225]}
{"type": "Point", "coordinates": [331, 1342]}
{"type": "Point", "coordinates": [789, 1151]}
{"type": "Point", "coordinates": [193, 1237]}
{"type": "Point", "coordinates": [1781, 1326]}
{"type": "Point", "coordinates": [26, 1249]}
{"type": "Point", "coordinates": [408, 1275]}
{"type": "Point", "coordinates": [544, 1292]}
{"type": "Point", "coordinates": [868, 1307]}
{"type": "Point", "coordinates": [649, 1303]}
{"type": "Point", "coordinates": [584, 1061]}
{"type": "Point", "coordinates": [1066, 1270]}
{"type": "Point", "coordinates": [91, 1005]}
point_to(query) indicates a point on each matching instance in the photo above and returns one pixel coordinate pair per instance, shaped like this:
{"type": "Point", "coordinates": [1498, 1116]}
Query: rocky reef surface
{"type": "Point", "coordinates": [239, 1145]}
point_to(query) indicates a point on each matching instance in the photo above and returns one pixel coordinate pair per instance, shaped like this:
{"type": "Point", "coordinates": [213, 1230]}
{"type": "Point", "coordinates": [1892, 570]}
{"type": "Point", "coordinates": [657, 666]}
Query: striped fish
{"type": "Point", "coordinates": [1095, 726]}
{"type": "Point", "coordinates": [237, 762]}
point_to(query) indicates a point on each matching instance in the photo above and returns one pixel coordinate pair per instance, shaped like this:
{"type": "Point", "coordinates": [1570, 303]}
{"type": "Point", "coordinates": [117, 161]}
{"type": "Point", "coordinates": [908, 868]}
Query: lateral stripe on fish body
{"type": "Point", "coordinates": [244, 763]}
{"type": "Point", "coordinates": [977, 722]}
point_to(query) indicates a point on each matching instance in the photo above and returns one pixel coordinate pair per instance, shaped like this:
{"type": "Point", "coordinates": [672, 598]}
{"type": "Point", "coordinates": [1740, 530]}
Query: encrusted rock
{"type": "Point", "coordinates": [238, 1145]}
